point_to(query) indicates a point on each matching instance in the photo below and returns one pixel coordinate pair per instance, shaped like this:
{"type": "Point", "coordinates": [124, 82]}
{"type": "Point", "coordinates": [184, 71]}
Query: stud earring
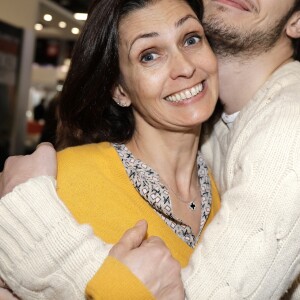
{"type": "Point", "coordinates": [120, 103]}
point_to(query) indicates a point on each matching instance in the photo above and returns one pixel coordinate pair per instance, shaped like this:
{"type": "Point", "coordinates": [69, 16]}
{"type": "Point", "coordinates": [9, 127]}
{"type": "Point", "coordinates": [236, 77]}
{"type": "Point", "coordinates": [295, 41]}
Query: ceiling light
{"type": "Point", "coordinates": [75, 30]}
{"type": "Point", "coordinates": [80, 16]}
{"type": "Point", "coordinates": [47, 17]}
{"type": "Point", "coordinates": [62, 24]}
{"type": "Point", "coordinates": [38, 26]}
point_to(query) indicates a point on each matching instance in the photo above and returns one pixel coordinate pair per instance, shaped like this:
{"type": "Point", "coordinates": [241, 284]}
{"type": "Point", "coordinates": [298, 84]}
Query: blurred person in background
{"type": "Point", "coordinates": [49, 130]}
{"type": "Point", "coordinates": [39, 110]}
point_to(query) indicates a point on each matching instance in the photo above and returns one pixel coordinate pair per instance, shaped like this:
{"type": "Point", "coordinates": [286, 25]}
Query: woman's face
{"type": "Point", "coordinates": [168, 70]}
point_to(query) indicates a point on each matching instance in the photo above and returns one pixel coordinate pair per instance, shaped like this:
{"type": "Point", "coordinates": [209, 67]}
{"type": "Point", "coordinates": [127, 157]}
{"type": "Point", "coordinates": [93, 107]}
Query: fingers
{"type": "Point", "coordinates": [45, 155]}
{"type": "Point", "coordinates": [19, 169]}
{"type": "Point", "coordinates": [160, 252]}
{"type": "Point", "coordinates": [6, 295]}
{"type": "Point", "coordinates": [2, 283]}
{"type": "Point", "coordinates": [134, 236]}
{"type": "Point", "coordinates": [9, 162]}
{"type": "Point", "coordinates": [151, 261]}
{"type": "Point", "coordinates": [44, 144]}
{"type": "Point", "coordinates": [154, 240]}
{"type": "Point", "coordinates": [131, 239]}
{"type": "Point", "coordinates": [45, 151]}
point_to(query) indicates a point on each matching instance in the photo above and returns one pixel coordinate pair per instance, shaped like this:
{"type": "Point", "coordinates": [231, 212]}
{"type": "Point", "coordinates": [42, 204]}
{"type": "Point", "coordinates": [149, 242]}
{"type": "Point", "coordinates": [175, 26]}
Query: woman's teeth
{"type": "Point", "coordinates": [186, 94]}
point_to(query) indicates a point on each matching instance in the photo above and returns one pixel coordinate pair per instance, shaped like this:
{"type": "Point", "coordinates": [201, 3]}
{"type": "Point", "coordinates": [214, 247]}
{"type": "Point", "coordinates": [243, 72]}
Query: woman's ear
{"type": "Point", "coordinates": [293, 26]}
{"type": "Point", "coordinates": [120, 96]}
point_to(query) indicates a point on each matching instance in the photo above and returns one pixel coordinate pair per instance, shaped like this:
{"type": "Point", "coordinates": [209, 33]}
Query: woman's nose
{"type": "Point", "coordinates": [182, 66]}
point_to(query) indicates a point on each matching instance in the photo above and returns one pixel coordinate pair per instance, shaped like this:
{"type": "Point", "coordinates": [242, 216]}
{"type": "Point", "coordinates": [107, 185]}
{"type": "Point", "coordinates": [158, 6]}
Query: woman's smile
{"type": "Point", "coordinates": [168, 70]}
{"type": "Point", "coordinates": [186, 94]}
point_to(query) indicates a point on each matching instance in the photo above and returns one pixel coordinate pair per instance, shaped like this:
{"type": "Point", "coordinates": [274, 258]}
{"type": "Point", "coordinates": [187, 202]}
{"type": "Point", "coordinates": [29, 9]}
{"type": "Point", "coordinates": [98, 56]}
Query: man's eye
{"type": "Point", "coordinates": [192, 40]}
{"type": "Point", "coordinates": [148, 57]}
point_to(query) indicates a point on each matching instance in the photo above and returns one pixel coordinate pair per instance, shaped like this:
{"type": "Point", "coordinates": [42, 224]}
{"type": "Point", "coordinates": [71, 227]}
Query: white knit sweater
{"type": "Point", "coordinates": [44, 252]}
{"type": "Point", "coordinates": [252, 248]}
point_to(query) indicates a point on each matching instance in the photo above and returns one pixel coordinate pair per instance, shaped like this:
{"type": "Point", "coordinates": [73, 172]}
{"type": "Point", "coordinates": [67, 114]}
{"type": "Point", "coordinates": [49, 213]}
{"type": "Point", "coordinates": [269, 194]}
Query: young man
{"type": "Point", "coordinates": [254, 152]}
{"type": "Point", "coordinates": [251, 250]}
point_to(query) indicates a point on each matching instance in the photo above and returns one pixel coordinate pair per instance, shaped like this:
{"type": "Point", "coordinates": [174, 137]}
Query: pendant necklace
{"type": "Point", "coordinates": [191, 203]}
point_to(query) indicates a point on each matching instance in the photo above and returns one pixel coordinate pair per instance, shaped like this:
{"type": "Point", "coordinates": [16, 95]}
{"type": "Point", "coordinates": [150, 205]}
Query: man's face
{"type": "Point", "coordinates": [245, 27]}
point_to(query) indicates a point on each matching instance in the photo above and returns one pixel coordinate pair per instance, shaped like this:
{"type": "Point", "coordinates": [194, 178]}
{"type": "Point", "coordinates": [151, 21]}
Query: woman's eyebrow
{"type": "Point", "coordinates": [143, 36]}
{"type": "Point", "coordinates": [179, 23]}
{"type": "Point", "coordinates": [184, 19]}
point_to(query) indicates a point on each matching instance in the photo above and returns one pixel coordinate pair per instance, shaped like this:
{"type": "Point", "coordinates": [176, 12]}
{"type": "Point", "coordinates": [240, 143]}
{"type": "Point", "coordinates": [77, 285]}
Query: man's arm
{"type": "Point", "coordinates": [251, 250]}
{"type": "Point", "coordinates": [46, 253]}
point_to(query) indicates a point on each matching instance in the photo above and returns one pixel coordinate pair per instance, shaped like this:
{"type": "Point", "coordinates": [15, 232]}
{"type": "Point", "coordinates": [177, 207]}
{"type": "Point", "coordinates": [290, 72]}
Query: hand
{"type": "Point", "coordinates": [151, 261]}
{"type": "Point", "coordinates": [5, 293]}
{"type": "Point", "coordinates": [18, 169]}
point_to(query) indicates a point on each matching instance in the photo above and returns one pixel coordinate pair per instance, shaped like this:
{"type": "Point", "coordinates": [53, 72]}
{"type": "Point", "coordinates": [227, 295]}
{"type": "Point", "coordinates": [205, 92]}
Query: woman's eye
{"type": "Point", "coordinates": [192, 40]}
{"type": "Point", "coordinates": [148, 57]}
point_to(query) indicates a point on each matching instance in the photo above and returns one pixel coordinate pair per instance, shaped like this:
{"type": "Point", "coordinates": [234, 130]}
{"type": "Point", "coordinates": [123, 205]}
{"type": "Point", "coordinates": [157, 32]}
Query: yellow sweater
{"type": "Point", "coordinates": [94, 185]}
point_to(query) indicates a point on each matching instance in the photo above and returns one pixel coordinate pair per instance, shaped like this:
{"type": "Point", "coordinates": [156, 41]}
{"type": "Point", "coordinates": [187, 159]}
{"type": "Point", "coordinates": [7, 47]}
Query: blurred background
{"type": "Point", "coordinates": [36, 42]}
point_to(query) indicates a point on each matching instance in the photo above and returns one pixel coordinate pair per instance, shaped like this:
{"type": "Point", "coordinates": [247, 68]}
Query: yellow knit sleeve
{"type": "Point", "coordinates": [114, 281]}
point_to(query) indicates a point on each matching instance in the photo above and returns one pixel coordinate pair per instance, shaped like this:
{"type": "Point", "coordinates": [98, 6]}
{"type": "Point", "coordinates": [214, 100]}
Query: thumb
{"type": "Point", "coordinates": [131, 239]}
{"type": "Point", "coordinates": [45, 156]}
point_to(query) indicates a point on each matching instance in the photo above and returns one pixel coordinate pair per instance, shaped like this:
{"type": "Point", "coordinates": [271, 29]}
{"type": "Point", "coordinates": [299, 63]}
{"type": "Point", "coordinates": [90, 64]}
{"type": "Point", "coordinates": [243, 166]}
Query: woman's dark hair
{"type": "Point", "coordinates": [87, 111]}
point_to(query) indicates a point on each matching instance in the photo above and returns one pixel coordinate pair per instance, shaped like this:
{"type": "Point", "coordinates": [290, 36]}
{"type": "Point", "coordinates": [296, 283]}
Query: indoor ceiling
{"type": "Point", "coordinates": [74, 5]}
{"type": "Point", "coordinates": [61, 11]}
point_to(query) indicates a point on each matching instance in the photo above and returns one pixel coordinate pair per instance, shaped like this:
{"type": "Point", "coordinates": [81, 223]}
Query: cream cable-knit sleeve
{"type": "Point", "coordinates": [251, 250]}
{"type": "Point", "coordinates": [44, 252]}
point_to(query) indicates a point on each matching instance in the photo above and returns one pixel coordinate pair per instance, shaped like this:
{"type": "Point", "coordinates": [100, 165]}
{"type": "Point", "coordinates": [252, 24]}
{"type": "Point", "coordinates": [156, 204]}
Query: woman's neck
{"type": "Point", "coordinates": [172, 154]}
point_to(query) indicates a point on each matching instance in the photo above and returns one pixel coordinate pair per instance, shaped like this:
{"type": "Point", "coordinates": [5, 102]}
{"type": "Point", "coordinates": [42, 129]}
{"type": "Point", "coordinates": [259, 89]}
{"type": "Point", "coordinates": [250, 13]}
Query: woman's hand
{"type": "Point", "coordinates": [18, 169]}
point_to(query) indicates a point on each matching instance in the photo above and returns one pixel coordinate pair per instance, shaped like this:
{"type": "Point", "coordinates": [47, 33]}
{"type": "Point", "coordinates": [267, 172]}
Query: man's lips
{"type": "Point", "coordinates": [240, 4]}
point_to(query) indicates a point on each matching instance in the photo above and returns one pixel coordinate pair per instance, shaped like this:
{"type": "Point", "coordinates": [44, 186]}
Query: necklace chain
{"type": "Point", "coordinates": [191, 203]}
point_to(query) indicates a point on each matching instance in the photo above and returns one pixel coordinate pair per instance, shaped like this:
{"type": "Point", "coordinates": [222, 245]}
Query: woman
{"type": "Point", "coordinates": [142, 81]}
